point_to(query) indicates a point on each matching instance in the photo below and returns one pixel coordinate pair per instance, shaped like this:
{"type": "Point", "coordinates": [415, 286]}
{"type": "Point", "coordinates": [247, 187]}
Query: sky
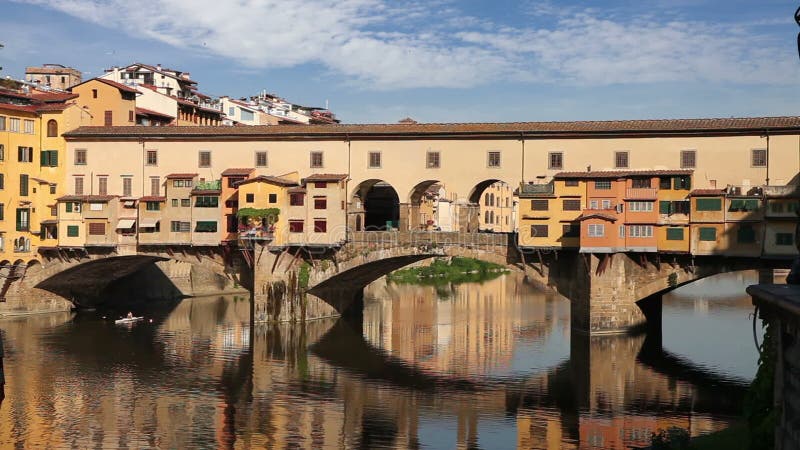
{"type": "Point", "coordinates": [379, 61]}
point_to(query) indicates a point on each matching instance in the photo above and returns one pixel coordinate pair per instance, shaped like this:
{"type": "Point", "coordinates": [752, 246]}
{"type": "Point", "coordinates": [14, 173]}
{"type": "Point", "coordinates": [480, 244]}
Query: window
{"type": "Point", "coordinates": [295, 226]}
{"type": "Point", "coordinates": [102, 185]}
{"type": "Point", "coordinates": [688, 159]}
{"type": "Point", "coordinates": [320, 203]}
{"type": "Point", "coordinates": [674, 234]}
{"type": "Point", "coordinates": [23, 185]}
{"type": "Point", "coordinates": [2, 214]}
{"type": "Point", "coordinates": [206, 201]}
{"type": "Point", "coordinates": [261, 159]}
{"type": "Point", "coordinates": [746, 234]}
{"type": "Point", "coordinates": [94, 93]}
{"type": "Point", "coordinates": [23, 219]}
{"type": "Point", "coordinates": [540, 205]}
{"type": "Point", "coordinates": [273, 198]}
{"type": "Point", "coordinates": [320, 226]}
{"type": "Point", "coordinates": [708, 234]}
{"type": "Point", "coordinates": [131, 117]}
{"type": "Point", "coordinates": [597, 230]}
{"type": "Point", "coordinates": [108, 118]}
{"type": "Point", "coordinates": [758, 157]}
{"type": "Point", "coordinates": [175, 203]}
{"type": "Point", "coordinates": [14, 125]}
{"type": "Point", "coordinates": [29, 127]}
{"type": "Point", "coordinates": [571, 183]}
{"type": "Point", "coordinates": [606, 204]}
{"type": "Point", "coordinates": [153, 206]}
{"type": "Point", "coordinates": [78, 185]}
{"type": "Point", "coordinates": [683, 182]}
{"type": "Point", "coordinates": [320, 185]}
{"type": "Point", "coordinates": [185, 203]}
{"type": "Point", "coordinates": [97, 229]}
{"type": "Point", "coordinates": [2, 181]}
{"type": "Point", "coordinates": [206, 226]}
{"type": "Point", "coordinates": [493, 159]}
{"type": "Point", "coordinates": [620, 160]}
{"type": "Point", "coordinates": [48, 158]}
{"type": "Point", "coordinates": [622, 231]}
{"type": "Point", "coordinates": [316, 160]}
{"type": "Point", "coordinates": [640, 231]}
{"type": "Point", "coordinates": [25, 154]}
{"type": "Point", "coordinates": [539, 231]}
{"type": "Point", "coordinates": [72, 230]}
{"type": "Point", "coordinates": [743, 205]}
{"type": "Point", "coordinates": [673, 207]}
{"type": "Point", "coordinates": [641, 183]}
{"type": "Point", "coordinates": [72, 206]}
{"type": "Point", "coordinates": [80, 156]}
{"type": "Point", "coordinates": [204, 159]}
{"type": "Point", "coordinates": [374, 160]}
{"type": "Point", "coordinates": [776, 207]}
{"type": "Point", "coordinates": [665, 183]}
{"type": "Point", "coordinates": [555, 161]}
{"type": "Point", "coordinates": [180, 227]}
{"type": "Point", "coordinates": [433, 160]}
{"type": "Point", "coordinates": [2, 123]}
{"type": "Point", "coordinates": [152, 158]}
{"type": "Point", "coordinates": [296, 199]}
{"type": "Point", "coordinates": [127, 186]}
{"type": "Point", "coordinates": [708, 204]}
{"type": "Point", "coordinates": [155, 186]}
{"type": "Point", "coordinates": [52, 128]}
{"type": "Point", "coordinates": [2, 152]}
{"type": "Point", "coordinates": [249, 198]}
{"type": "Point", "coordinates": [603, 185]}
{"type": "Point", "coordinates": [53, 211]}
{"type": "Point", "coordinates": [784, 239]}
{"type": "Point", "coordinates": [182, 183]}
{"type": "Point", "coordinates": [640, 206]}
{"type": "Point", "coordinates": [593, 204]}
{"type": "Point", "coordinates": [233, 180]}
{"type": "Point", "coordinates": [570, 230]}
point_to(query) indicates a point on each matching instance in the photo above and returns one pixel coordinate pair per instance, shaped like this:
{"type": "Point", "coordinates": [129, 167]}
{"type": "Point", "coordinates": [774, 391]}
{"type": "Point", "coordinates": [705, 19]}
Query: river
{"type": "Point", "coordinates": [491, 366]}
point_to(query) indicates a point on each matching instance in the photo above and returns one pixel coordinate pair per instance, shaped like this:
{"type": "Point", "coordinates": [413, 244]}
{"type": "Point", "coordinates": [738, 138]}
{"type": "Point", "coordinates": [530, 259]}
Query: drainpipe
{"type": "Point", "coordinates": [522, 139]}
{"type": "Point", "coordinates": [347, 193]}
{"type": "Point", "coordinates": [766, 135]}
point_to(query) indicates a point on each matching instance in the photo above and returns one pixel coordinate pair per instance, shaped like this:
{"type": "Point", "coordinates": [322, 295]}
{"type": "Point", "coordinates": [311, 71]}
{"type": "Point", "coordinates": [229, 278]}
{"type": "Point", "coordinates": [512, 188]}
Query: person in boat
{"type": "Point", "coordinates": [130, 315]}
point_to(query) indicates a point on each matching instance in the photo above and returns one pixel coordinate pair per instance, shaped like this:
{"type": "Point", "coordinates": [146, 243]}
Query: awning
{"type": "Point", "coordinates": [148, 223]}
{"type": "Point", "coordinates": [124, 224]}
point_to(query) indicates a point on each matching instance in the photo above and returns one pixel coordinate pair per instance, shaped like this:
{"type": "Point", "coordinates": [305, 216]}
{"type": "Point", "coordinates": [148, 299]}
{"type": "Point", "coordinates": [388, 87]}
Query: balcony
{"type": "Point", "coordinates": [259, 233]}
{"type": "Point", "coordinates": [641, 194]}
{"type": "Point", "coordinates": [536, 189]}
{"type": "Point", "coordinates": [781, 191]}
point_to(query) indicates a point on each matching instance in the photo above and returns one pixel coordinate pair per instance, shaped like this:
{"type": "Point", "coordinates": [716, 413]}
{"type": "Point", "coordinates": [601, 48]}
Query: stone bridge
{"type": "Point", "coordinates": [87, 277]}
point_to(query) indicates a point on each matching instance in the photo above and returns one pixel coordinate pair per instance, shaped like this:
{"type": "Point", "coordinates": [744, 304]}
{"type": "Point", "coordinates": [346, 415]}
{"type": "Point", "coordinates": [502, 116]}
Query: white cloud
{"type": "Point", "coordinates": [379, 45]}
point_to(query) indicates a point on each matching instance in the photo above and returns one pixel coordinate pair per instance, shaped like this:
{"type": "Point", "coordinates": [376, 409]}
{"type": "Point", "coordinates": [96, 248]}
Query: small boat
{"type": "Point", "coordinates": [128, 320]}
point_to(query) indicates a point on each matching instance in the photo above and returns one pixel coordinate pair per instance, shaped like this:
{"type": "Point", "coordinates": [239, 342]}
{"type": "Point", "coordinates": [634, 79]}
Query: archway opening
{"type": "Point", "coordinates": [424, 211]}
{"type": "Point", "coordinates": [494, 208]}
{"type": "Point", "coordinates": [379, 205]}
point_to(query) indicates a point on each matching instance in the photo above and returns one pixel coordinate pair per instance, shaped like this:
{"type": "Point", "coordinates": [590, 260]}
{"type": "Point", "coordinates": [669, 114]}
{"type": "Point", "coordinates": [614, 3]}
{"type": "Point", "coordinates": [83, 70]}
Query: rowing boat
{"type": "Point", "coordinates": [128, 320]}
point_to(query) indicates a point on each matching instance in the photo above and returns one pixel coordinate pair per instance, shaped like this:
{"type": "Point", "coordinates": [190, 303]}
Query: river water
{"type": "Point", "coordinates": [490, 366]}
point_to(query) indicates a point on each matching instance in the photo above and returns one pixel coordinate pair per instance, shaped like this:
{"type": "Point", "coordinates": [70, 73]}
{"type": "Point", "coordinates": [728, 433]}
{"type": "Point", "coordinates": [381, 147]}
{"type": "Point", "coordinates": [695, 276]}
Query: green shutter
{"type": "Point", "coordinates": [746, 234]}
{"type": "Point", "coordinates": [737, 205]}
{"type": "Point", "coordinates": [674, 234]}
{"type": "Point", "coordinates": [708, 234]}
{"type": "Point", "coordinates": [708, 204]}
{"type": "Point", "coordinates": [44, 158]}
{"type": "Point", "coordinates": [69, 206]}
{"type": "Point", "coordinates": [72, 230]}
{"type": "Point", "coordinates": [23, 185]}
{"type": "Point", "coordinates": [54, 158]}
{"type": "Point", "coordinates": [750, 205]}
{"type": "Point", "coordinates": [206, 226]}
{"type": "Point", "coordinates": [663, 207]}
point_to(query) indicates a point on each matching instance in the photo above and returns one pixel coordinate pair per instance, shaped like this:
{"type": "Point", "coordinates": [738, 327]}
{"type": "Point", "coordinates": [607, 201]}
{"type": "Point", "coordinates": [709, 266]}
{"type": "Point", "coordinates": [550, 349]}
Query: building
{"type": "Point", "coordinates": [170, 82]}
{"type": "Point", "coordinates": [496, 209]}
{"type": "Point", "coordinates": [707, 221]}
{"type": "Point", "coordinates": [782, 204]}
{"type": "Point", "coordinates": [108, 103]}
{"type": "Point", "coordinates": [744, 221]}
{"type": "Point", "coordinates": [269, 109]}
{"type": "Point", "coordinates": [53, 76]}
{"type": "Point", "coordinates": [549, 213]}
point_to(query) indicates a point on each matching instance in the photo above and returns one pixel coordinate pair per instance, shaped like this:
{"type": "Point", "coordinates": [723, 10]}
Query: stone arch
{"type": "Point", "coordinates": [477, 191]}
{"type": "Point", "coordinates": [379, 204]}
{"type": "Point", "coordinates": [422, 205]}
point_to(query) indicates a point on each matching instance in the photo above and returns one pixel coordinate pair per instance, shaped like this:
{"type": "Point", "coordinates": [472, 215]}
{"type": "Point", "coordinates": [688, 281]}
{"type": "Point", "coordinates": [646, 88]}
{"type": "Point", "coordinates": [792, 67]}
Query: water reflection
{"type": "Point", "coordinates": [493, 365]}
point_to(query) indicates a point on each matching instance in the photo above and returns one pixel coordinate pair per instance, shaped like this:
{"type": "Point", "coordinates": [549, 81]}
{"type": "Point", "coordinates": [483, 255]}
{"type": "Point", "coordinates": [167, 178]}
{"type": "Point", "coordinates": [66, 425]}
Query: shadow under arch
{"type": "Point", "coordinates": [477, 191]}
{"type": "Point", "coordinates": [378, 202]}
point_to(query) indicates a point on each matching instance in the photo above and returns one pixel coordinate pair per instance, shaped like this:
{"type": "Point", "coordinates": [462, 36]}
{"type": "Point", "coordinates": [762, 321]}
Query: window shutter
{"type": "Point", "coordinates": [54, 158]}
{"type": "Point", "coordinates": [663, 207]}
{"type": "Point", "coordinates": [43, 158]}
{"type": "Point", "coordinates": [69, 207]}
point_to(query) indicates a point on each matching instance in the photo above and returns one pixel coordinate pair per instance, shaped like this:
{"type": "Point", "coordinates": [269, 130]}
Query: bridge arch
{"type": "Point", "coordinates": [378, 202]}
{"type": "Point", "coordinates": [422, 204]}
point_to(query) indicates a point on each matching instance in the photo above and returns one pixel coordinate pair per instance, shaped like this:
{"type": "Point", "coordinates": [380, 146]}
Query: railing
{"type": "Point", "coordinates": [257, 234]}
{"type": "Point", "coordinates": [781, 191]}
{"type": "Point", "coordinates": [641, 193]}
{"type": "Point", "coordinates": [441, 238]}
{"type": "Point", "coordinates": [213, 185]}
{"type": "Point", "coordinates": [541, 189]}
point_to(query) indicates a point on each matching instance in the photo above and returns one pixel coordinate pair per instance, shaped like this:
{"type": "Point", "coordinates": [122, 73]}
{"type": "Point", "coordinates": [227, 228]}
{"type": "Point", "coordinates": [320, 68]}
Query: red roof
{"type": "Point", "coordinates": [621, 173]}
{"type": "Point", "coordinates": [86, 198]}
{"type": "Point", "coordinates": [173, 176]}
{"type": "Point", "coordinates": [707, 193]}
{"type": "Point", "coordinates": [597, 215]}
{"type": "Point", "coordinates": [206, 192]}
{"type": "Point", "coordinates": [119, 86]}
{"type": "Point", "coordinates": [150, 112]}
{"type": "Point", "coordinates": [24, 108]}
{"type": "Point", "coordinates": [325, 177]}
{"type": "Point", "coordinates": [268, 179]}
{"type": "Point", "coordinates": [152, 198]}
{"type": "Point", "coordinates": [237, 171]}
{"type": "Point", "coordinates": [52, 97]}
{"type": "Point", "coordinates": [296, 190]}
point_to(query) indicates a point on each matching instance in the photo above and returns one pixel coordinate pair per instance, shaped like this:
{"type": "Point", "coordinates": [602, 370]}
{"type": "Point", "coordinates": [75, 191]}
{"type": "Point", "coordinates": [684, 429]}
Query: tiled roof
{"type": "Point", "coordinates": [206, 192]}
{"type": "Point", "coordinates": [150, 112]}
{"type": "Point", "coordinates": [119, 86]}
{"type": "Point", "coordinates": [747, 125]}
{"type": "Point", "coordinates": [268, 179]}
{"type": "Point", "coordinates": [597, 215]}
{"type": "Point", "coordinates": [86, 198]}
{"type": "Point", "coordinates": [707, 192]}
{"type": "Point", "coordinates": [23, 108]}
{"type": "Point", "coordinates": [52, 97]}
{"type": "Point", "coordinates": [237, 171]}
{"type": "Point", "coordinates": [326, 177]}
{"type": "Point", "coordinates": [152, 198]}
{"type": "Point", "coordinates": [296, 190]}
{"type": "Point", "coordinates": [181, 176]}
{"type": "Point", "coordinates": [621, 173]}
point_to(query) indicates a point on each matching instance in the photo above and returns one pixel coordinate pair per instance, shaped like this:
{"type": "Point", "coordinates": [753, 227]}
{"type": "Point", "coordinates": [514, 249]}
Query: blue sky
{"type": "Point", "coordinates": [439, 60]}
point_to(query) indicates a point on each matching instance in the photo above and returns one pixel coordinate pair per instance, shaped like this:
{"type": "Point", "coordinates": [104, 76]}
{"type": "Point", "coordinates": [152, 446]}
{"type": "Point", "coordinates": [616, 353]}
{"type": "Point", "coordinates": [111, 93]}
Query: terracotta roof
{"type": "Point", "coordinates": [182, 176]}
{"type": "Point", "coordinates": [241, 103]}
{"type": "Point", "coordinates": [747, 125]}
{"type": "Point", "coordinates": [597, 215]}
{"type": "Point", "coordinates": [150, 112]}
{"type": "Point", "coordinates": [23, 108]}
{"type": "Point", "coordinates": [119, 86]}
{"type": "Point", "coordinates": [86, 198]}
{"type": "Point", "coordinates": [325, 177]}
{"type": "Point", "coordinates": [268, 179]}
{"type": "Point", "coordinates": [707, 192]}
{"type": "Point", "coordinates": [152, 198]}
{"type": "Point", "coordinates": [53, 107]}
{"type": "Point", "coordinates": [621, 173]}
{"type": "Point", "coordinates": [296, 190]}
{"type": "Point", "coordinates": [206, 192]}
{"type": "Point", "coordinates": [237, 171]}
{"type": "Point", "coordinates": [52, 97]}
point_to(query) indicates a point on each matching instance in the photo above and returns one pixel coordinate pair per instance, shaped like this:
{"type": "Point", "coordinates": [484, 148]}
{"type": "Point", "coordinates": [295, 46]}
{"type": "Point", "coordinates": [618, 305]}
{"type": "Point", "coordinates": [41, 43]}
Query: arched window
{"type": "Point", "coordinates": [486, 200]}
{"type": "Point", "coordinates": [486, 217]}
{"type": "Point", "coordinates": [491, 217]}
{"type": "Point", "coordinates": [52, 128]}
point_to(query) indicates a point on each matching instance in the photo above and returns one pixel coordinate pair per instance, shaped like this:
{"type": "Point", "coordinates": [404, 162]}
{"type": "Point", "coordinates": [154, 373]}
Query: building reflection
{"type": "Point", "coordinates": [423, 368]}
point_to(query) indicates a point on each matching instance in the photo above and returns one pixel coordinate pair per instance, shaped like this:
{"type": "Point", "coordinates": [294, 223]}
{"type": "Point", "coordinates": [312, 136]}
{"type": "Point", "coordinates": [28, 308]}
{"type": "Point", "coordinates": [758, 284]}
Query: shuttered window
{"type": "Point", "coordinates": [571, 205]}
{"type": "Point", "coordinates": [97, 228]}
{"type": "Point", "coordinates": [48, 158]}
{"type": "Point", "coordinates": [539, 231]}
{"type": "Point", "coordinates": [674, 234]}
{"type": "Point", "coordinates": [23, 185]}
{"type": "Point", "coordinates": [708, 204]}
{"type": "Point", "coordinates": [72, 230]}
{"type": "Point", "coordinates": [540, 205]}
{"type": "Point", "coordinates": [784, 239]}
{"type": "Point", "coordinates": [320, 226]}
{"type": "Point", "coordinates": [204, 226]}
{"type": "Point", "coordinates": [708, 234]}
{"type": "Point", "coordinates": [746, 234]}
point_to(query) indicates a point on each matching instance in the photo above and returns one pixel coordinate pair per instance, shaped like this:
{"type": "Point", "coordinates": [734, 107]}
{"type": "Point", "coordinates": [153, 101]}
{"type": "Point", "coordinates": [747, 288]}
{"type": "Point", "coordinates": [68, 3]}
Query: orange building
{"type": "Point", "coordinates": [230, 199]}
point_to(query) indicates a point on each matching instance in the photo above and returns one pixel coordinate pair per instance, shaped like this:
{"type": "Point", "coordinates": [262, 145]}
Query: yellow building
{"type": "Point", "coordinates": [265, 192]}
{"type": "Point", "coordinates": [782, 205]}
{"type": "Point", "coordinates": [497, 208]}
{"type": "Point", "coordinates": [548, 213]}
{"type": "Point", "coordinates": [707, 217]}
{"type": "Point", "coordinates": [109, 103]}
